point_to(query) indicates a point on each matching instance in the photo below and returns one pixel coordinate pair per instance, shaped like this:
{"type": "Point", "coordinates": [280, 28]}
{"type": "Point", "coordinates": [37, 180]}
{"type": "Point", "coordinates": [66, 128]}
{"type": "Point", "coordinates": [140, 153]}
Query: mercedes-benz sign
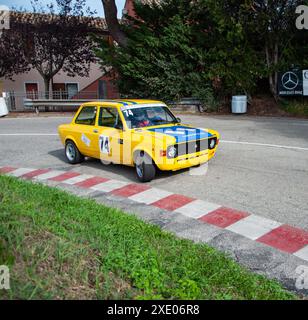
{"type": "Point", "coordinates": [290, 83]}
{"type": "Point", "coordinates": [290, 80]}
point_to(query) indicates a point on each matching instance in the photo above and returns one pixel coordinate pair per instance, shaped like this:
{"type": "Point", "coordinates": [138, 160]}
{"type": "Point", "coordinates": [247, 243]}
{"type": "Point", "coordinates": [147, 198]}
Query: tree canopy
{"type": "Point", "coordinates": [206, 48]}
{"type": "Point", "coordinates": [51, 39]}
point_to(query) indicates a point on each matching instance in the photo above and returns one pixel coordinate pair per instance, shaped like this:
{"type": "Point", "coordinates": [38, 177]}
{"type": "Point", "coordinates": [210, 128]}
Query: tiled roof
{"type": "Point", "coordinates": [36, 18]}
{"type": "Point", "coordinates": [150, 1]}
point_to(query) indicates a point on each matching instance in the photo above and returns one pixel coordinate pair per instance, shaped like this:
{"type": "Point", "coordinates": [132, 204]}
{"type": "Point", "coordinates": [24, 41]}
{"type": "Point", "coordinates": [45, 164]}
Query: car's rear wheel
{"type": "Point", "coordinates": [72, 153]}
{"type": "Point", "coordinates": [145, 168]}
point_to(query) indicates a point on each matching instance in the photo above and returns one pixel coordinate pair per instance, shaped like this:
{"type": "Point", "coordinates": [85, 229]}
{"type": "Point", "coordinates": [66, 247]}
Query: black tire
{"type": "Point", "coordinates": [145, 168]}
{"type": "Point", "coordinates": [72, 153]}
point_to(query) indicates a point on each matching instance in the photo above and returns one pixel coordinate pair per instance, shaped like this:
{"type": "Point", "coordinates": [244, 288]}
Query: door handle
{"type": "Point", "coordinates": [95, 131]}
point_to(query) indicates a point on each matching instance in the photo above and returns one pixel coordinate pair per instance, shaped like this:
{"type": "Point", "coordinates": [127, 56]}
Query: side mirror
{"type": "Point", "coordinates": [179, 120]}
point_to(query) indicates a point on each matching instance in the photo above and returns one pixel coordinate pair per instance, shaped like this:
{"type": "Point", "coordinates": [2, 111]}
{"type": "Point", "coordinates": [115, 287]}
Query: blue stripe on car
{"type": "Point", "coordinates": [183, 134]}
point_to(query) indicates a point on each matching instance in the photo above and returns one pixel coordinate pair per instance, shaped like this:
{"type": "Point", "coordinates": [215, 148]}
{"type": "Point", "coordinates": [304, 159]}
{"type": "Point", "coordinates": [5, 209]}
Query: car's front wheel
{"type": "Point", "coordinates": [145, 168]}
{"type": "Point", "coordinates": [72, 153]}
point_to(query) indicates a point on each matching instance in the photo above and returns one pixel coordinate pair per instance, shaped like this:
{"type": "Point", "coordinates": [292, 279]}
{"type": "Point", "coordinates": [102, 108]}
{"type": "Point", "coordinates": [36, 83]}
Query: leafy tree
{"type": "Point", "coordinates": [58, 40]}
{"type": "Point", "coordinates": [206, 48]}
{"type": "Point", "coordinates": [177, 49]}
{"type": "Point", "coordinates": [12, 60]}
{"type": "Point", "coordinates": [271, 27]}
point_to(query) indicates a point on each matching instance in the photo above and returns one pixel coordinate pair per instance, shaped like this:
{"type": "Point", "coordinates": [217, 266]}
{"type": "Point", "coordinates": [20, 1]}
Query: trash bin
{"type": "Point", "coordinates": [3, 108]}
{"type": "Point", "coordinates": [239, 104]}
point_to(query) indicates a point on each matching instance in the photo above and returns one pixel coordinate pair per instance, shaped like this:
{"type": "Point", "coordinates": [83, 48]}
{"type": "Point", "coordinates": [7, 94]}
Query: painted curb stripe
{"type": "Point", "coordinates": [65, 176]}
{"type": "Point", "coordinates": [274, 234]}
{"type": "Point", "coordinates": [253, 227]}
{"type": "Point", "coordinates": [33, 174]}
{"type": "Point", "coordinates": [7, 169]}
{"type": "Point", "coordinates": [197, 209]}
{"type": "Point", "coordinates": [48, 175]}
{"type": "Point", "coordinates": [224, 217]}
{"type": "Point", "coordinates": [303, 253]}
{"type": "Point", "coordinates": [109, 186]}
{"type": "Point", "coordinates": [172, 202]}
{"type": "Point", "coordinates": [130, 190]}
{"type": "Point", "coordinates": [78, 179]}
{"type": "Point", "coordinates": [150, 196]}
{"type": "Point", "coordinates": [20, 172]}
{"type": "Point", "coordinates": [88, 183]}
{"type": "Point", "coordinates": [286, 238]}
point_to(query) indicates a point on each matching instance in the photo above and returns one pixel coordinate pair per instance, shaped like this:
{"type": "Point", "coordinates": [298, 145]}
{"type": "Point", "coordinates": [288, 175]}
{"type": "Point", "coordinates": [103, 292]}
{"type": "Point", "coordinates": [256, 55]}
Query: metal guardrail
{"type": "Point", "coordinates": [46, 103]}
{"type": "Point", "coordinates": [16, 100]}
{"type": "Point", "coordinates": [22, 101]}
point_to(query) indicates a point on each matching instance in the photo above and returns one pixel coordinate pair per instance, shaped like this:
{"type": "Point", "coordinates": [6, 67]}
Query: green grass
{"type": "Point", "coordinates": [59, 246]}
{"type": "Point", "coordinates": [296, 107]}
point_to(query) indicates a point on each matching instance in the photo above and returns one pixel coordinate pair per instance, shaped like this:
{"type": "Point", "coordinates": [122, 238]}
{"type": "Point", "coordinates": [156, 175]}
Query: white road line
{"type": "Point", "coordinates": [109, 186]}
{"type": "Point", "coordinates": [264, 145]}
{"type": "Point", "coordinates": [254, 227]}
{"type": "Point", "coordinates": [222, 141]}
{"type": "Point", "coordinates": [303, 253]}
{"type": "Point", "coordinates": [28, 134]}
{"type": "Point", "coordinates": [150, 196]}
{"type": "Point", "coordinates": [197, 209]}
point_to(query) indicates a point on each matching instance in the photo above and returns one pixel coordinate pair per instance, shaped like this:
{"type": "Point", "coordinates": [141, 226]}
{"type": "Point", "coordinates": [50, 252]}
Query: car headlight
{"type": "Point", "coordinates": [172, 152]}
{"type": "Point", "coordinates": [212, 143]}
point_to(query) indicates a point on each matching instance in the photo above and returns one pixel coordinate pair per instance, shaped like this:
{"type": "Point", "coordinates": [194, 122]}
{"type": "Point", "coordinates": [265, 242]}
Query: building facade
{"type": "Point", "coordinates": [98, 84]}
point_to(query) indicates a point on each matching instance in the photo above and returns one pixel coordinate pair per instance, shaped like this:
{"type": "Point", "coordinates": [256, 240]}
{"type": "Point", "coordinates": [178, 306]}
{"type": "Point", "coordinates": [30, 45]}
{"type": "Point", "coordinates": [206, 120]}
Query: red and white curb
{"type": "Point", "coordinates": [274, 234]}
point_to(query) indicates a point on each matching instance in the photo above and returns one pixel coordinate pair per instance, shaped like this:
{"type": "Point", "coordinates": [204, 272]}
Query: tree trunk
{"type": "Point", "coordinates": [111, 16]}
{"type": "Point", "coordinates": [272, 58]}
{"type": "Point", "coordinates": [47, 91]}
{"type": "Point", "coordinates": [47, 88]}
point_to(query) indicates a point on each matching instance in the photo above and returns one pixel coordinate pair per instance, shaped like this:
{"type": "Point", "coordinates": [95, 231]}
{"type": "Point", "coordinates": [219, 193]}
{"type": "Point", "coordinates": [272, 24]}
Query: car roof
{"type": "Point", "coordinates": [122, 102]}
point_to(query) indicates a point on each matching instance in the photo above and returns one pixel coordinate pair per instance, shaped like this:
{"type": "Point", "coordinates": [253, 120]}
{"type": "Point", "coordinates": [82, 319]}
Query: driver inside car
{"type": "Point", "coordinates": [140, 119]}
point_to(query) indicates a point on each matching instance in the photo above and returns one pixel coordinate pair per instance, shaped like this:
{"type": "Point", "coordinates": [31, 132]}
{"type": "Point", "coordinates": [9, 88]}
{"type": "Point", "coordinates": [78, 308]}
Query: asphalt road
{"type": "Point", "coordinates": [261, 165]}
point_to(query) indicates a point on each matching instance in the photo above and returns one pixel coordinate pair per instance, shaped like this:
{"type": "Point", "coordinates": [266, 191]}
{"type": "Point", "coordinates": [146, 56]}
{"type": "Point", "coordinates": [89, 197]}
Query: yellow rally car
{"type": "Point", "coordinates": [140, 133]}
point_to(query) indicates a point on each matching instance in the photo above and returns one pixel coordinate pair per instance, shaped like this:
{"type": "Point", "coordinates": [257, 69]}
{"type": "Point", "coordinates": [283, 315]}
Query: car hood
{"type": "Point", "coordinates": [182, 133]}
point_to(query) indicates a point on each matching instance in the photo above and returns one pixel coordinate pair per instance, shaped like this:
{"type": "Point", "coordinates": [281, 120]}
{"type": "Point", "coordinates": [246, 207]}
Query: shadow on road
{"type": "Point", "coordinates": [121, 170]}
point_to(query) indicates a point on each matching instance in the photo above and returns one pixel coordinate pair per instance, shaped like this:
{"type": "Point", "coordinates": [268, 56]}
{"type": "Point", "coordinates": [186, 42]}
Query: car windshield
{"type": "Point", "coordinates": [141, 117]}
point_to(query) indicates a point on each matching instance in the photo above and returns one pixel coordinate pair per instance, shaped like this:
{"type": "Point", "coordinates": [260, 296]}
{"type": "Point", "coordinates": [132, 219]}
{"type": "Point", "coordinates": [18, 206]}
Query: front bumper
{"type": "Point", "coordinates": [186, 161]}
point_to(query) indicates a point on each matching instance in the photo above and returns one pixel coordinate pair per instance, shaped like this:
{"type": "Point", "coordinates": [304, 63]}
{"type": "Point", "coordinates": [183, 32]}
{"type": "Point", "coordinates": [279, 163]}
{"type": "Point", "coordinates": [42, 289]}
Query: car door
{"type": "Point", "coordinates": [87, 131]}
{"type": "Point", "coordinates": [110, 135]}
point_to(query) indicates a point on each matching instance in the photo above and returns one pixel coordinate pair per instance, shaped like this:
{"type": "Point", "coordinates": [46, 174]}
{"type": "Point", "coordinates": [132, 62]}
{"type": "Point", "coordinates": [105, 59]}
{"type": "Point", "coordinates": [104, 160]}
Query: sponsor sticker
{"type": "Point", "coordinates": [85, 140]}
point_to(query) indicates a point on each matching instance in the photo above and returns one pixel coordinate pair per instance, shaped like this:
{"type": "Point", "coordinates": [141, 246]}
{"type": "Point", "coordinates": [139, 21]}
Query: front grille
{"type": "Point", "coordinates": [190, 147]}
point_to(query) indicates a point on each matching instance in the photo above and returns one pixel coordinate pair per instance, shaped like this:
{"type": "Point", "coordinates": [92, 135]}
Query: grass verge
{"type": "Point", "coordinates": [295, 107]}
{"type": "Point", "coordinates": [59, 246]}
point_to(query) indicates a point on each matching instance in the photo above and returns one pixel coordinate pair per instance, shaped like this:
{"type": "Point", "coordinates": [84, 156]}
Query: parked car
{"type": "Point", "coordinates": [144, 134]}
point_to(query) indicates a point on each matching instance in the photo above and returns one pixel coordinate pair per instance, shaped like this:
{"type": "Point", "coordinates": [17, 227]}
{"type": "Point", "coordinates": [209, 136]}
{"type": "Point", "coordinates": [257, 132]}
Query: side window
{"type": "Point", "coordinates": [87, 116]}
{"type": "Point", "coordinates": [109, 117]}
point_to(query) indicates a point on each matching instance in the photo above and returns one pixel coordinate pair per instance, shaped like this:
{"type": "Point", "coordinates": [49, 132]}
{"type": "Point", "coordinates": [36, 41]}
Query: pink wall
{"type": "Point", "coordinates": [18, 83]}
